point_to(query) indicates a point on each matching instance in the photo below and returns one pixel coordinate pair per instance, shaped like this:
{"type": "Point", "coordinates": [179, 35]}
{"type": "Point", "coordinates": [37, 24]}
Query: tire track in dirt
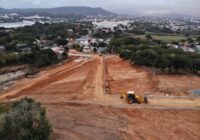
{"type": "Point", "coordinates": [41, 83]}
{"type": "Point", "coordinates": [86, 89]}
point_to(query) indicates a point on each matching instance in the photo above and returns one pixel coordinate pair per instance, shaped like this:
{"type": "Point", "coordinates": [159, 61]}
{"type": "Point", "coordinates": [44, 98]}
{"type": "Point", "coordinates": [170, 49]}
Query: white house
{"type": "Point", "coordinates": [59, 51]}
{"type": "Point", "coordinates": [83, 41]}
{"type": "Point", "coordinates": [2, 48]}
{"type": "Point", "coordinates": [86, 49]}
{"type": "Point", "coordinates": [198, 48]}
{"type": "Point", "coordinates": [173, 46]}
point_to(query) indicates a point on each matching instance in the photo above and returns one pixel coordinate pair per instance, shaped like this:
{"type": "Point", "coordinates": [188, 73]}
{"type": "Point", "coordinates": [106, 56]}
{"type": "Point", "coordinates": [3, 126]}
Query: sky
{"type": "Point", "coordinates": [130, 7]}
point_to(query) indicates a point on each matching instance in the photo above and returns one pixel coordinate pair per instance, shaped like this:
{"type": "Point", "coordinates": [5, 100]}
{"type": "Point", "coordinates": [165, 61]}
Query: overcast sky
{"type": "Point", "coordinates": [188, 7]}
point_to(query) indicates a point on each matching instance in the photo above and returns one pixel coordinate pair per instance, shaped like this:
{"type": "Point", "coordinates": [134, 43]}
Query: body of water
{"type": "Point", "coordinates": [16, 24]}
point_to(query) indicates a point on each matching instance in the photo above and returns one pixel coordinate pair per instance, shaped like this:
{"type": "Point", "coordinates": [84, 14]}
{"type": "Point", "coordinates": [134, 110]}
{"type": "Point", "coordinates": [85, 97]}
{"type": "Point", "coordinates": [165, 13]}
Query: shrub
{"type": "Point", "coordinates": [44, 58]}
{"type": "Point", "coordinates": [2, 62]}
{"type": "Point", "coordinates": [12, 58]}
{"type": "Point", "coordinates": [125, 54]}
{"type": "Point", "coordinates": [26, 120]}
{"type": "Point", "coordinates": [27, 58]}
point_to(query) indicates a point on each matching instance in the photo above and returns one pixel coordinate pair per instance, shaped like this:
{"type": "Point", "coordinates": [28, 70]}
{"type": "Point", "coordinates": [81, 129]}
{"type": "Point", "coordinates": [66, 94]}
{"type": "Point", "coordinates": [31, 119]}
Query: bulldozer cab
{"type": "Point", "coordinates": [131, 97]}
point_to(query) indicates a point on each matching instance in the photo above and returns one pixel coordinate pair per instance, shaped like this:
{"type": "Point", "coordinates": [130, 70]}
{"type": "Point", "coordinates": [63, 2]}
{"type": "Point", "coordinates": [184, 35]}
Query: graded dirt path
{"type": "Point", "coordinates": [79, 108]}
{"type": "Point", "coordinates": [100, 93]}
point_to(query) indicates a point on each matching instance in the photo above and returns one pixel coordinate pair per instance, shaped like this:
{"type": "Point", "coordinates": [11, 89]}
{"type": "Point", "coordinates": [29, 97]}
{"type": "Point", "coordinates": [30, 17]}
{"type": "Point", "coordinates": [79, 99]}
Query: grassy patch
{"type": "Point", "coordinates": [165, 38]}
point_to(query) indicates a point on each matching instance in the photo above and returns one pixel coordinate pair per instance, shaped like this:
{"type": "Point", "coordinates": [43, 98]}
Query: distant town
{"type": "Point", "coordinates": [183, 30]}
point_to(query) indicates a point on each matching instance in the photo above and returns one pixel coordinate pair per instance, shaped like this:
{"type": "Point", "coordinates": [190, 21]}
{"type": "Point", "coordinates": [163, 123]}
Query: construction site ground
{"type": "Point", "coordinates": [82, 100]}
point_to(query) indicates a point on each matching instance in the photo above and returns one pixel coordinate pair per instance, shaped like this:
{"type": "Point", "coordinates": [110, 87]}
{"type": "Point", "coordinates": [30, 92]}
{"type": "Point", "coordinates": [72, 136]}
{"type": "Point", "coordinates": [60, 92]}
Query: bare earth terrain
{"type": "Point", "coordinates": [79, 107]}
{"type": "Point", "coordinates": [123, 76]}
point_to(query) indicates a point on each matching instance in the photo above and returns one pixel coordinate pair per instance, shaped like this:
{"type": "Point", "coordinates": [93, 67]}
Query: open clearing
{"type": "Point", "coordinates": [78, 107]}
{"type": "Point", "coordinates": [165, 38]}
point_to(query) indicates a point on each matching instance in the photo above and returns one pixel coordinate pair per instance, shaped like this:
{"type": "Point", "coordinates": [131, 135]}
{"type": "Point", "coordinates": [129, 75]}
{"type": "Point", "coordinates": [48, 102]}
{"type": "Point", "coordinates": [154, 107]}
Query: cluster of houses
{"type": "Point", "coordinates": [87, 43]}
{"type": "Point", "coordinates": [91, 44]}
{"type": "Point", "coordinates": [42, 44]}
{"type": "Point", "coordinates": [109, 24]}
{"type": "Point", "coordinates": [48, 44]}
{"type": "Point", "coordinates": [187, 47]}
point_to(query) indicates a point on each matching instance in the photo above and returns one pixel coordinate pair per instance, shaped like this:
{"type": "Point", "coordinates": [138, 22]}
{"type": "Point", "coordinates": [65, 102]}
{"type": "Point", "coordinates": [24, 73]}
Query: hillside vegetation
{"type": "Point", "coordinates": [164, 58]}
{"type": "Point", "coordinates": [24, 120]}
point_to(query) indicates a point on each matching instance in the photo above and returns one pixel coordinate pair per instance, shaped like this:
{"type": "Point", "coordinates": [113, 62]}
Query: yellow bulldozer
{"type": "Point", "coordinates": [131, 98]}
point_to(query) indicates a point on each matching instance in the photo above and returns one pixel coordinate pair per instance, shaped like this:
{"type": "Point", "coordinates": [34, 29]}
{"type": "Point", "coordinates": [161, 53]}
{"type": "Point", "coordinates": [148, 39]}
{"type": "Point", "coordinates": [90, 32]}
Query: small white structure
{"type": "Point", "coordinates": [198, 48]}
{"type": "Point", "coordinates": [14, 15]}
{"type": "Point", "coordinates": [59, 51]}
{"type": "Point", "coordinates": [2, 48]}
{"type": "Point", "coordinates": [109, 24]}
{"type": "Point", "coordinates": [186, 49]}
{"type": "Point", "coordinates": [173, 46]}
{"type": "Point", "coordinates": [86, 49]}
{"type": "Point", "coordinates": [34, 17]}
{"type": "Point", "coordinates": [83, 41]}
{"type": "Point", "coordinates": [4, 17]}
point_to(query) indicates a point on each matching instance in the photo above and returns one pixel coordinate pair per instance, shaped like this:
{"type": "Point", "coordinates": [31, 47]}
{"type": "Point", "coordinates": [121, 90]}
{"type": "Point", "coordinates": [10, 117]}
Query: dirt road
{"type": "Point", "coordinates": [79, 108]}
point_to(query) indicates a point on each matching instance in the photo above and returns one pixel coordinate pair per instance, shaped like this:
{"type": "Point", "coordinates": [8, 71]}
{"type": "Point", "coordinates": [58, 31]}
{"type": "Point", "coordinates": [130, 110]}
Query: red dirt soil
{"type": "Point", "coordinates": [105, 123]}
{"type": "Point", "coordinates": [123, 76]}
{"type": "Point", "coordinates": [78, 109]}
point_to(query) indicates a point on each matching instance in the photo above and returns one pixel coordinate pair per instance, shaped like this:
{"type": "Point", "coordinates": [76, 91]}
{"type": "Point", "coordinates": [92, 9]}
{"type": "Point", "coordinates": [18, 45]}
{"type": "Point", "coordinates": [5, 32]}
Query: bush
{"type": "Point", "coordinates": [64, 55]}
{"type": "Point", "coordinates": [2, 62]}
{"type": "Point", "coordinates": [26, 120]}
{"type": "Point", "coordinates": [12, 58]}
{"type": "Point", "coordinates": [125, 54]}
{"type": "Point", "coordinates": [62, 42]}
{"type": "Point", "coordinates": [27, 58]}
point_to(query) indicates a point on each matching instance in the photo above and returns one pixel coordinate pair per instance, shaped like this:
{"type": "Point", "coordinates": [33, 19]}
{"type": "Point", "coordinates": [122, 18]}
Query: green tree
{"type": "Point", "coordinates": [179, 62]}
{"type": "Point", "coordinates": [198, 38]}
{"type": "Point", "coordinates": [125, 54]}
{"type": "Point", "coordinates": [95, 50]}
{"type": "Point", "coordinates": [25, 121]}
{"type": "Point", "coordinates": [62, 42]}
{"type": "Point", "coordinates": [190, 40]}
{"type": "Point", "coordinates": [149, 37]}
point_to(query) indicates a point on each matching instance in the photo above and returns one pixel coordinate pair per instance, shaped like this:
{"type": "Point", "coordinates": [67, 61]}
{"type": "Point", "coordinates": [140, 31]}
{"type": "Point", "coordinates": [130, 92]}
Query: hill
{"type": "Point", "coordinates": [85, 11]}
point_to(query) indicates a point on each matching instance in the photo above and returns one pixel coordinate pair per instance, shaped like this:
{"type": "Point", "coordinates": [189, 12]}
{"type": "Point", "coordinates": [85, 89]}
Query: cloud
{"type": "Point", "coordinates": [36, 2]}
{"type": "Point", "coordinates": [190, 7]}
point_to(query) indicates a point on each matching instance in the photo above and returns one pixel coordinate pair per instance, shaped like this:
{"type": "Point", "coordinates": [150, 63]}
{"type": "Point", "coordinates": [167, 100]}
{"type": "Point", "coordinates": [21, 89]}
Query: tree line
{"type": "Point", "coordinates": [35, 58]}
{"type": "Point", "coordinates": [52, 32]}
{"type": "Point", "coordinates": [164, 58]}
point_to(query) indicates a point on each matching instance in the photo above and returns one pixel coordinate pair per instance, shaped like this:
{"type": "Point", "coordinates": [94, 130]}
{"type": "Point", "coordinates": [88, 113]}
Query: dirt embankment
{"type": "Point", "coordinates": [123, 76]}
{"type": "Point", "coordinates": [58, 84]}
